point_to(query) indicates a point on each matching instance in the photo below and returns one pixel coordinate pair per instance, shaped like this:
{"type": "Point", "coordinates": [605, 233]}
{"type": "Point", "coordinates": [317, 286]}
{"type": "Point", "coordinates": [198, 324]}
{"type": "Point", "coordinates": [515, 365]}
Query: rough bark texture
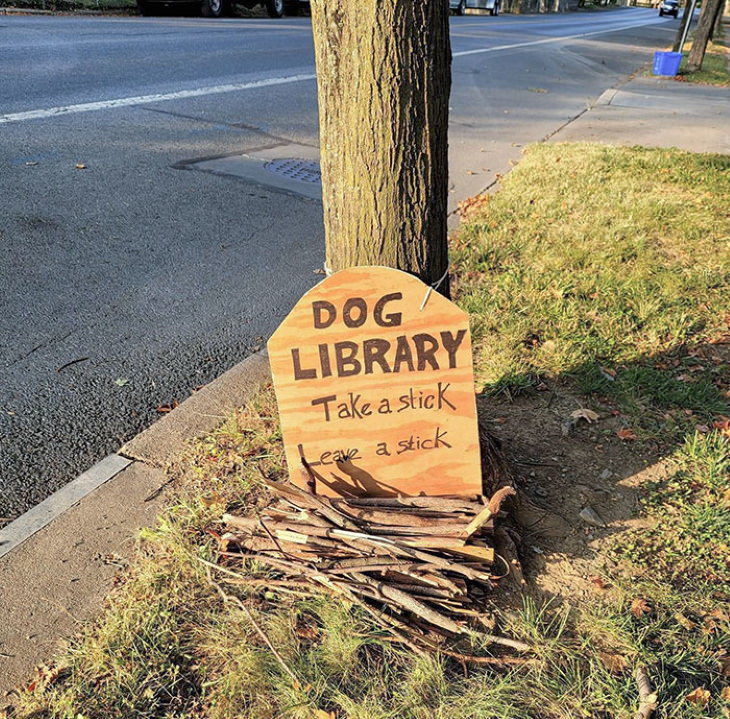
{"type": "Point", "coordinates": [702, 34]}
{"type": "Point", "coordinates": [689, 7]}
{"type": "Point", "coordinates": [384, 76]}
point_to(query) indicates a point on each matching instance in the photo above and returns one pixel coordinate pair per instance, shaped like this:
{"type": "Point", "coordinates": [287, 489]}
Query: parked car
{"type": "Point", "coordinates": [217, 8]}
{"type": "Point", "coordinates": [669, 7]}
{"type": "Point", "coordinates": [459, 7]}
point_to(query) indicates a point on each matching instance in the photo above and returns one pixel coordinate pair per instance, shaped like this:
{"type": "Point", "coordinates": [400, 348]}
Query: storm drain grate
{"type": "Point", "coordinates": [295, 169]}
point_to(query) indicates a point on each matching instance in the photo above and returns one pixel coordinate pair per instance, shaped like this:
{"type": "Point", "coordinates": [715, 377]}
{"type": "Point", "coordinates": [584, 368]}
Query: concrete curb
{"type": "Point", "coordinates": [15, 533]}
{"type": "Point", "coordinates": [59, 559]}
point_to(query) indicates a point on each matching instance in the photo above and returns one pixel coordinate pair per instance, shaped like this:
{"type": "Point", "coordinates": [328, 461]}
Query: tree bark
{"type": "Point", "coordinates": [717, 21]}
{"type": "Point", "coordinates": [689, 7]}
{"type": "Point", "coordinates": [384, 76]}
{"type": "Point", "coordinates": [702, 35]}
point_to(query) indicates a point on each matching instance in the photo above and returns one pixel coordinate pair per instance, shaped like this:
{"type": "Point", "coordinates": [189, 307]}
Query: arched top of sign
{"type": "Point", "coordinates": [375, 393]}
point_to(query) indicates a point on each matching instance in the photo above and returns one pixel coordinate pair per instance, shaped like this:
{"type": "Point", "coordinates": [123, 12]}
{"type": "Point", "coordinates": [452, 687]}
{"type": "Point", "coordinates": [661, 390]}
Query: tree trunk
{"type": "Point", "coordinates": [689, 7]}
{"type": "Point", "coordinates": [702, 35]}
{"type": "Point", "coordinates": [717, 21]}
{"type": "Point", "coordinates": [384, 76]}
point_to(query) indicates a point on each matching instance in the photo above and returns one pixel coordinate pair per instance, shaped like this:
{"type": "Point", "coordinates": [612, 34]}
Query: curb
{"type": "Point", "coordinates": [59, 559]}
{"type": "Point", "coordinates": [25, 526]}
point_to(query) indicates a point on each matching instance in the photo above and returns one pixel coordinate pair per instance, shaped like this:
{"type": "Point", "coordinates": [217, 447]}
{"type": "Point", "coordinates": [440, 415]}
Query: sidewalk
{"type": "Point", "coordinates": [656, 112]}
{"type": "Point", "coordinates": [61, 574]}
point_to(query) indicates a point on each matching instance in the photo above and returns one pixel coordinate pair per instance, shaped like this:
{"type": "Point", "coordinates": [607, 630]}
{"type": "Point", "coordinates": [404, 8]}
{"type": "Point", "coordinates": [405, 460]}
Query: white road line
{"type": "Point", "coordinates": [145, 99]}
{"type": "Point", "coordinates": [545, 41]}
{"type": "Point", "coordinates": [219, 89]}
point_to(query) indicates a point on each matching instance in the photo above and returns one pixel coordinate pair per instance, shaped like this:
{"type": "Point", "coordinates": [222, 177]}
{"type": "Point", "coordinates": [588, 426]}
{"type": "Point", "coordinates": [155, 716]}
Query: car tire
{"type": "Point", "coordinates": [275, 8]}
{"type": "Point", "coordinates": [461, 10]}
{"type": "Point", "coordinates": [212, 8]}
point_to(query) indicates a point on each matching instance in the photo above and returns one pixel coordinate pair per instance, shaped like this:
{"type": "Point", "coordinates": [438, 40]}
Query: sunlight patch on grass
{"type": "Point", "coordinates": [593, 257]}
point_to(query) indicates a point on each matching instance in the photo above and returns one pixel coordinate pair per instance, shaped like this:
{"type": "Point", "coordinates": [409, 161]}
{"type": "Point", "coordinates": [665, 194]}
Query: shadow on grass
{"type": "Point", "coordinates": [590, 447]}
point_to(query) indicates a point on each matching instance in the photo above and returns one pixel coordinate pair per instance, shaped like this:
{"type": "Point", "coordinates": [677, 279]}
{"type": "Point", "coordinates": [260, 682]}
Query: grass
{"type": "Point", "coordinates": [714, 70]}
{"type": "Point", "coordinates": [689, 511]}
{"type": "Point", "coordinates": [578, 271]}
{"type": "Point", "coordinates": [71, 5]}
{"type": "Point", "coordinates": [607, 267]}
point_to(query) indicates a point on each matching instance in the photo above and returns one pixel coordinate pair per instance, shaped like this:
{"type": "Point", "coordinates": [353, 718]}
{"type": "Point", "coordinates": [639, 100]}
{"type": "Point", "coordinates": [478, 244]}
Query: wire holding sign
{"type": "Point", "coordinates": [375, 388]}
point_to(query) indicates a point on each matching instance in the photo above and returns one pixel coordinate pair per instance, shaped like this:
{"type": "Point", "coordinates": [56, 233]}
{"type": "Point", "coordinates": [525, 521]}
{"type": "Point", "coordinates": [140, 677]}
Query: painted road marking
{"type": "Point", "coordinates": [544, 41]}
{"type": "Point", "coordinates": [146, 99]}
{"type": "Point", "coordinates": [270, 82]}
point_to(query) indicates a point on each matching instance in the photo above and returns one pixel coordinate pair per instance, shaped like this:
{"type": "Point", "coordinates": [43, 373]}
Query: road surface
{"type": "Point", "coordinates": [130, 274]}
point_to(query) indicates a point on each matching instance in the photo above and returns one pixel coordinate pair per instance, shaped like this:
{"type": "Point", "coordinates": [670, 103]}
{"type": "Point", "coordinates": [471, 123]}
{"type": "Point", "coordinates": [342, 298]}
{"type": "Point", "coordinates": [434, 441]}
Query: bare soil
{"type": "Point", "coordinates": [561, 468]}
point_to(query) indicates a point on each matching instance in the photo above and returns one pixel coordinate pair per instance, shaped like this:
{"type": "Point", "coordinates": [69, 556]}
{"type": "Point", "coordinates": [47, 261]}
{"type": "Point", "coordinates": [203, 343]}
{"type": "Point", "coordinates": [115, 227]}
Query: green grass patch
{"type": "Point", "coordinates": [690, 514]}
{"type": "Point", "coordinates": [71, 5]}
{"type": "Point", "coordinates": [604, 266]}
{"type": "Point", "coordinates": [714, 70]}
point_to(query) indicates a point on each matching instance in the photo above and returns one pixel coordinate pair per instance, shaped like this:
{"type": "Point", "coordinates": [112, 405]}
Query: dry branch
{"type": "Point", "coordinates": [420, 566]}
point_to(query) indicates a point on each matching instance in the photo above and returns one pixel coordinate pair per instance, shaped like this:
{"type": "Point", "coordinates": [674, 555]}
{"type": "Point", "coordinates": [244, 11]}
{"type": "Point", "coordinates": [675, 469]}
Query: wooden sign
{"type": "Point", "coordinates": [375, 391]}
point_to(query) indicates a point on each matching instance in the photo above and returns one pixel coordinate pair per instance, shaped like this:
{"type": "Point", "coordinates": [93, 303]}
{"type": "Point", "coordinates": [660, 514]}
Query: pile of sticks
{"type": "Point", "coordinates": [420, 566]}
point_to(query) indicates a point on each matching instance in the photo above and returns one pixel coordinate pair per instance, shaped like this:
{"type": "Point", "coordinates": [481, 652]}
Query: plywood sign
{"type": "Point", "coordinates": [375, 393]}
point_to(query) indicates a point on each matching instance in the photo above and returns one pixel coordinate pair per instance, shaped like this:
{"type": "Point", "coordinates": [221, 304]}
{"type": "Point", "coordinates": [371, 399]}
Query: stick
{"type": "Point", "coordinates": [471, 659]}
{"type": "Point", "coordinates": [230, 598]}
{"type": "Point", "coordinates": [647, 696]}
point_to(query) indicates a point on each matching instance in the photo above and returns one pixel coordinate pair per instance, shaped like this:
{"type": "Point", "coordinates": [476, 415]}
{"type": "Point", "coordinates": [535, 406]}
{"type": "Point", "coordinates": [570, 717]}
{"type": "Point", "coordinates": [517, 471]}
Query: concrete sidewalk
{"type": "Point", "coordinates": [61, 574]}
{"type": "Point", "coordinates": [656, 112]}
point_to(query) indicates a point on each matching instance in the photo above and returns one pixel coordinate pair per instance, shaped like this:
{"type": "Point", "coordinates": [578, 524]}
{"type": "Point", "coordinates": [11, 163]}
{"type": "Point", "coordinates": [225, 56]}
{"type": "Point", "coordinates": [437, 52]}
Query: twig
{"type": "Point", "coordinates": [231, 598]}
{"type": "Point", "coordinates": [471, 659]}
{"type": "Point", "coordinates": [72, 362]}
{"type": "Point", "coordinates": [647, 696]}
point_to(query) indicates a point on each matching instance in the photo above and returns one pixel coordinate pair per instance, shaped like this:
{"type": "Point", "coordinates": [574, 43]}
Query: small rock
{"type": "Point", "coordinates": [541, 492]}
{"type": "Point", "coordinates": [605, 474]}
{"type": "Point", "coordinates": [590, 516]}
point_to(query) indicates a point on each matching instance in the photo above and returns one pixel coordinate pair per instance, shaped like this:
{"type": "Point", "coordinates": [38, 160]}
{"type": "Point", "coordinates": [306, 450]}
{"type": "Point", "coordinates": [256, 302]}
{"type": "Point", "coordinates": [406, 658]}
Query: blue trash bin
{"type": "Point", "coordinates": [666, 63]}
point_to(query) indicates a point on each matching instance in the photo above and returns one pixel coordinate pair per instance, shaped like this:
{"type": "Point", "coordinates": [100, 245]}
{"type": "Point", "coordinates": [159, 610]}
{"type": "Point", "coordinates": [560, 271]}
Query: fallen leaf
{"type": "Point", "coordinates": [725, 694]}
{"type": "Point", "coordinates": [80, 166]}
{"type": "Point", "coordinates": [608, 373]}
{"type": "Point", "coordinates": [587, 414]}
{"type": "Point", "coordinates": [684, 621]}
{"type": "Point", "coordinates": [165, 408]}
{"type": "Point", "coordinates": [211, 499]}
{"type": "Point", "coordinates": [725, 666]}
{"type": "Point", "coordinates": [626, 434]}
{"type": "Point", "coordinates": [599, 583]}
{"type": "Point", "coordinates": [121, 381]}
{"type": "Point", "coordinates": [615, 663]}
{"type": "Point", "coordinates": [640, 607]}
{"type": "Point", "coordinates": [699, 696]}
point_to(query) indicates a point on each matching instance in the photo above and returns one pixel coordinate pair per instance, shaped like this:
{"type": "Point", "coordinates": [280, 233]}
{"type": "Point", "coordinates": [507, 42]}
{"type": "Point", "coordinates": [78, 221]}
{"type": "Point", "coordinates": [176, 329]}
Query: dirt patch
{"type": "Point", "coordinates": [564, 468]}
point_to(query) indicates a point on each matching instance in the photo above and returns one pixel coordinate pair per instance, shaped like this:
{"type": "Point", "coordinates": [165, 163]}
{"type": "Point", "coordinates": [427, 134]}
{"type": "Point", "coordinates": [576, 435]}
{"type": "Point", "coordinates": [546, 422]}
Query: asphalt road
{"type": "Point", "coordinates": [128, 283]}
